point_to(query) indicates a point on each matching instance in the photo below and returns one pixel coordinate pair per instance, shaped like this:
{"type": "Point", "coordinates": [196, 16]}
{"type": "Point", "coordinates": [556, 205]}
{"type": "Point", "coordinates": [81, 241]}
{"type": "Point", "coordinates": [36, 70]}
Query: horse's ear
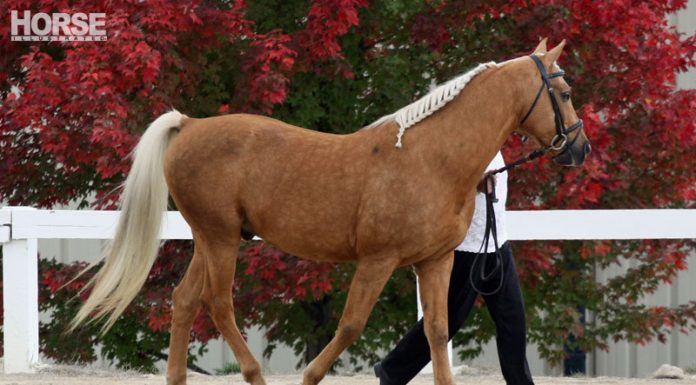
{"type": "Point", "coordinates": [541, 48]}
{"type": "Point", "coordinates": [550, 57]}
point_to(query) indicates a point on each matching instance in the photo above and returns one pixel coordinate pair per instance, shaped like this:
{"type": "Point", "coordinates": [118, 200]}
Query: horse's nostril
{"type": "Point", "coordinates": [588, 148]}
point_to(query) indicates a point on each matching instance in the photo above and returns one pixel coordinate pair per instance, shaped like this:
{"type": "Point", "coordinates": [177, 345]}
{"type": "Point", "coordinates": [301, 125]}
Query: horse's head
{"type": "Point", "coordinates": [551, 118]}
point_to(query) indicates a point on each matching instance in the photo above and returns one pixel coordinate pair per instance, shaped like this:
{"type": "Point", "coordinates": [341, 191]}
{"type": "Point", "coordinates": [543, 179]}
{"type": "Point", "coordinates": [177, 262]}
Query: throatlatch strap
{"type": "Point", "coordinates": [536, 100]}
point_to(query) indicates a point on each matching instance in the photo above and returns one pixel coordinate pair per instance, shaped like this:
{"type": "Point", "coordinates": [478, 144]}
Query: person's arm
{"type": "Point", "coordinates": [481, 187]}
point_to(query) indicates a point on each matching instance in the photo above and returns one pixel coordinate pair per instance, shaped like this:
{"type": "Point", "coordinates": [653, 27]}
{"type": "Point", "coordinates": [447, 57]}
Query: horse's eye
{"type": "Point", "coordinates": [565, 96]}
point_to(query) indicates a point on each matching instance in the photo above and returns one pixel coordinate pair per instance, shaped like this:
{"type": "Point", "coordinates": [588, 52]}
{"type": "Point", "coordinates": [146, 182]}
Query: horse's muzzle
{"type": "Point", "coordinates": [573, 155]}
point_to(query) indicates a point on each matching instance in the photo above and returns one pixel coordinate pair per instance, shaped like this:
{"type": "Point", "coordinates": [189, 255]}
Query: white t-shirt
{"type": "Point", "coordinates": [474, 237]}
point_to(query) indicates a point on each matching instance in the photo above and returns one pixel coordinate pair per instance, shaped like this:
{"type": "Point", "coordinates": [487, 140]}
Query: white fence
{"type": "Point", "coordinates": [21, 227]}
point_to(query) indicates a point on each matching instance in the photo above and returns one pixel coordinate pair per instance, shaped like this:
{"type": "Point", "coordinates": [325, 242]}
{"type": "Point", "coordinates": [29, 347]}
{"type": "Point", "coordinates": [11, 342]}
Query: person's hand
{"type": "Point", "coordinates": [486, 184]}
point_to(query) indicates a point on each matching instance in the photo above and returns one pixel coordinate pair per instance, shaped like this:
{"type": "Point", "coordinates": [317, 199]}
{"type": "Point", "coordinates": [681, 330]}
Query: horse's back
{"type": "Point", "coordinates": [239, 137]}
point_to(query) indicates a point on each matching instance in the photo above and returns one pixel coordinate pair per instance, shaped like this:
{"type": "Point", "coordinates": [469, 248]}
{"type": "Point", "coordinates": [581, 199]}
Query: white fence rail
{"type": "Point", "coordinates": [21, 227]}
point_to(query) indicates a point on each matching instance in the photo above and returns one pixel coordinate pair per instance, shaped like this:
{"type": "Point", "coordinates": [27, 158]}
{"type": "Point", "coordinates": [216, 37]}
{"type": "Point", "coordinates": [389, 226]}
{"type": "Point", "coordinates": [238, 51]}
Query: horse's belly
{"type": "Point", "coordinates": [316, 229]}
{"type": "Point", "coordinates": [334, 235]}
{"type": "Point", "coordinates": [312, 245]}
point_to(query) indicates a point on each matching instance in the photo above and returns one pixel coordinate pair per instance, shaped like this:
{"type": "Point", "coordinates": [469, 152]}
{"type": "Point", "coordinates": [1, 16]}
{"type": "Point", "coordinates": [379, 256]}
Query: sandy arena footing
{"type": "Point", "coordinates": [66, 375]}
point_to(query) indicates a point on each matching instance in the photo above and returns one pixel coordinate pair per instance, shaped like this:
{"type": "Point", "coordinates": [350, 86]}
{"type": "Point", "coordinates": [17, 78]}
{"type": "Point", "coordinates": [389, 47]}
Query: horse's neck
{"type": "Point", "coordinates": [469, 131]}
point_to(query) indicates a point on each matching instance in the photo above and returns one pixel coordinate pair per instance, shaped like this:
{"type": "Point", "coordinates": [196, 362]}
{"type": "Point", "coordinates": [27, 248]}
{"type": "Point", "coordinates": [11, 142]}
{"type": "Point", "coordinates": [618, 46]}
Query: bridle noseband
{"type": "Point", "coordinates": [560, 141]}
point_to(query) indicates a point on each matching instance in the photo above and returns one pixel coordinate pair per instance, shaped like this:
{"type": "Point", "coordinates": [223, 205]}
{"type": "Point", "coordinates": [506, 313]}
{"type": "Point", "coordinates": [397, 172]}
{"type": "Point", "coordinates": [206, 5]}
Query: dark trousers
{"type": "Point", "coordinates": [506, 307]}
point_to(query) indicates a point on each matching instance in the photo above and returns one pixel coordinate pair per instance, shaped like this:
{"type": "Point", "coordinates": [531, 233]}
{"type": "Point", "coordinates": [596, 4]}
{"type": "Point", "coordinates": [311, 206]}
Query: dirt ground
{"type": "Point", "coordinates": [84, 376]}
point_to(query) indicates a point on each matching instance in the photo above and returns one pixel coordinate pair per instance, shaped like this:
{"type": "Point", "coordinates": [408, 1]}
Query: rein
{"type": "Point", "coordinates": [558, 143]}
{"type": "Point", "coordinates": [491, 229]}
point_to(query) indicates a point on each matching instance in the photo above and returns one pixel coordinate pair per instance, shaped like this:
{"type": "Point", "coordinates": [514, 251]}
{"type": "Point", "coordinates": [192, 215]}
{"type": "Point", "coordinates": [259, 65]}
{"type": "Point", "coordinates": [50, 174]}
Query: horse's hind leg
{"type": "Point", "coordinates": [186, 304]}
{"type": "Point", "coordinates": [368, 281]}
{"type": "Point", "coordinates": [221, 260]}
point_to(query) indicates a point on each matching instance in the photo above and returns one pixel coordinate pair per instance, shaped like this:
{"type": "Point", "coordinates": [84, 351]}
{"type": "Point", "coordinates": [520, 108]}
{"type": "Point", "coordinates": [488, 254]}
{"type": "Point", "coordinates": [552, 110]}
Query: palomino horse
{"type": "Point", "coordinates": [325, 197]}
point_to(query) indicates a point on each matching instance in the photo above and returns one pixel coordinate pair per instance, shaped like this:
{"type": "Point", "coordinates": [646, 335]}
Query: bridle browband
{"type": "Point", "coordinates": [560, 141]}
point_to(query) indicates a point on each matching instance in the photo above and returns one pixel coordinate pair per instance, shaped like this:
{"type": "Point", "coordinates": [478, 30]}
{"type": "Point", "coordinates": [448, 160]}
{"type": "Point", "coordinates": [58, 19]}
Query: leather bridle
{"type": "Point", "coordinates": [560, 140]}
{"type": "Point", "coordinates": [559, 143]}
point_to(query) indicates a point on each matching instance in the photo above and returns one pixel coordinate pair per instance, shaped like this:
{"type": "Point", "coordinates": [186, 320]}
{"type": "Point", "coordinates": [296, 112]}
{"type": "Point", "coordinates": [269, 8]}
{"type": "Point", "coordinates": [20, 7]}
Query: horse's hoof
{"type": "Point", "coordinates": [255, 380]}
{"type": "Point", "coordinates": [310, 378]}
{"type": "Point", "coordinates": [178, 380]}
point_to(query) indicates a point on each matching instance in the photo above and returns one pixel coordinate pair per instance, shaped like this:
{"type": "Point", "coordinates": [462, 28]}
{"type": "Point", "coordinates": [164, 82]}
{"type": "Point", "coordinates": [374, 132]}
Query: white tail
{"type": "Point", "coordinates": [131, 254]}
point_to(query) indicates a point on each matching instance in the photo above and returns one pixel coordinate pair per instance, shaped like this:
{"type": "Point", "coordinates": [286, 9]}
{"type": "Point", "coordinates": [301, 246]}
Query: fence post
{"type": "Point", "coordinates": [20, 273]}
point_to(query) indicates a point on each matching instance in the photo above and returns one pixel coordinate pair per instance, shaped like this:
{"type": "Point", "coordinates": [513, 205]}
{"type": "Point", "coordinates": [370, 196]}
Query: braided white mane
{"type": "Point", "coordinates": [428, 104]}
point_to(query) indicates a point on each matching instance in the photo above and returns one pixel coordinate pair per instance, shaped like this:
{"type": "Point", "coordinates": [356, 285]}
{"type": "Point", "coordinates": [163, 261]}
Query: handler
{"type": "Point", "coordinates": [505, 306]}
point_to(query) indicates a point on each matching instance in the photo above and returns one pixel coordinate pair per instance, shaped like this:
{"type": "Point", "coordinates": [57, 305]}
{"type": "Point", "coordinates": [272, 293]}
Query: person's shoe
{"type": "Point", "coordinates": [383, 378]}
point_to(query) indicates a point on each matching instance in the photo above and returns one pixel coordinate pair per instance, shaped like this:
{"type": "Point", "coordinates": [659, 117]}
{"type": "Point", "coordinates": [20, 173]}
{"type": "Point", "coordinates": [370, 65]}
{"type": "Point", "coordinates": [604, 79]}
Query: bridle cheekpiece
{"type": "Point", "coordinates": [560, 140]}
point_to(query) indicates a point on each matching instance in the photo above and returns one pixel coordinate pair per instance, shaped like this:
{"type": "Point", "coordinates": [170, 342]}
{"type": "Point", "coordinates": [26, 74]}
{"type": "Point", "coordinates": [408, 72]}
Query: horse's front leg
{"type": "Point", "coordinates": [368, 282]}
{"type": "Point", "coordinates": [434, 277]}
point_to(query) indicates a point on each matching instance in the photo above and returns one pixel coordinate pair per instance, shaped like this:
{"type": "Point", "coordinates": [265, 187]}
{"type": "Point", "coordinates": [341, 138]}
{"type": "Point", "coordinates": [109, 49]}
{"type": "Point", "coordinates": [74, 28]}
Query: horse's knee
{"type": "Point", "coordinates": [350, 331]}
{"type": "Point", "coordinates": [437, 334]}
